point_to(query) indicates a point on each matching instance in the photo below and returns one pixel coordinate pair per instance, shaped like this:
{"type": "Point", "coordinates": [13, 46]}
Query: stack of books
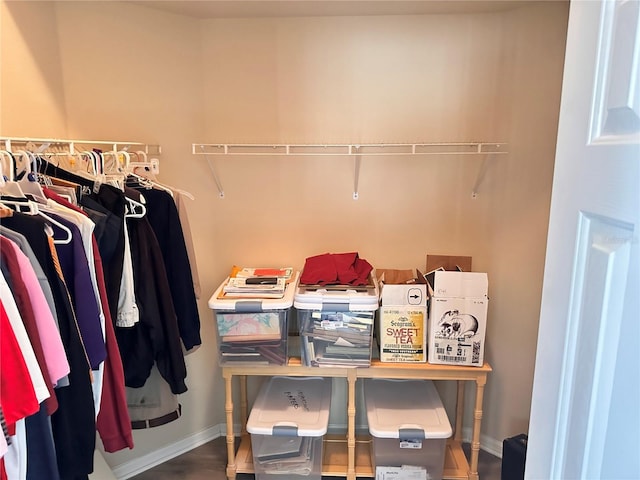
{"type": "Point", "coordinates": [338, 338]}
{"type": "Point", "coordinates": [257, 282]}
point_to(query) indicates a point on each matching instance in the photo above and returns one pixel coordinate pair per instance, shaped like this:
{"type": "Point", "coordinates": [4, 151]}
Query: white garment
{"type": "Point", "coordinates": [37, 379]}
{"type": "Point", "coordinates": [128, 313]}
{"type": "Point", "coordinates": [15, 460]}
{"type": "Point", "coordinates": [3, 446]}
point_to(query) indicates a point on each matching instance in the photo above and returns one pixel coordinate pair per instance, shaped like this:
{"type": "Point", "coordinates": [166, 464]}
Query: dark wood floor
{"type": "Point", "coordinates": [208, 462]}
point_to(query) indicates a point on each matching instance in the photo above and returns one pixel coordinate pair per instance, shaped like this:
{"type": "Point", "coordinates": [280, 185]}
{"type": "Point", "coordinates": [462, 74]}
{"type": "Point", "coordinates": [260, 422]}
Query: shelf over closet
{"type": "Point", "coordinates": [356, 150]}
{"type": "Point", "coordinates": [38, 145]}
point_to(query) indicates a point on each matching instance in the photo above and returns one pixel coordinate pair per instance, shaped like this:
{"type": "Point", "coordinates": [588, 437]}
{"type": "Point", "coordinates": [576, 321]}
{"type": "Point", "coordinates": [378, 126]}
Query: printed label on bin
{"type": "Point", "coordinates": [414, 444]}
{"type": "Point", "coordinates": [411, 437]}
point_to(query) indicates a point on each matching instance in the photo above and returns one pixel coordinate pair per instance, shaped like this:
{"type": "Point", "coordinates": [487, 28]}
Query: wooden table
{"type": "Point", "coordinates": [349, 456]}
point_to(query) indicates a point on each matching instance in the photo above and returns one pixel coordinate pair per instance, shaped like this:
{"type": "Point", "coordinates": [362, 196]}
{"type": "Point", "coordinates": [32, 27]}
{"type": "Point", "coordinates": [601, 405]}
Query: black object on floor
{"type": "Point", "coordinates": [514, 453]}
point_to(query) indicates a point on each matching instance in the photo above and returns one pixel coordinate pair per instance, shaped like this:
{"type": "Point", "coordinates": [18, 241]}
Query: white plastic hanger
{"type": "Point", "coordinates": [5, 154]}
{"type": "Point", "coordinates": [135, 209]}
{"type": "Point", "coordinates": [29, 183]}
{"type": "Point", "coordinates": [2, 172]}
{"type": "Point", "coordinates": [127, 160]}
{"type": "Point", "coordinates": [10, 188]}
{"type": "Point", "coordinates": [58, 241]}
{"type": "Point", "coordinates": [142, 154]}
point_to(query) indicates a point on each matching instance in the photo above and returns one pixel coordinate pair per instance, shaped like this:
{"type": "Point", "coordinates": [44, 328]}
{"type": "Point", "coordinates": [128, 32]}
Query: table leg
{"type": "Point", "coordinates": [351, 424]}
{"type": "Point", "coordinates": [228, 406]}
{"type": "Point", "coordinates": [244, 413]}
{"type": "Point", "coordinates": [459, 412]}
{"type": "Point", "coordinates": [477, 421]}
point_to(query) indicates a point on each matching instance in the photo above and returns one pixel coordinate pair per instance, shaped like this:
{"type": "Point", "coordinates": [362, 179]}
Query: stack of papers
{"type": "Point", "coordinates": [406, 472]}
{"type": "Point", "coordinates": [338, 339]}
{"type": "Point", "coordinates": [286, 455]}
{"type": "Point", "coordinates": [250, 282]}
{"type": "Point", "coordinates": [262, 287]}
{"type": "Point", "coordinates": [249, 272]}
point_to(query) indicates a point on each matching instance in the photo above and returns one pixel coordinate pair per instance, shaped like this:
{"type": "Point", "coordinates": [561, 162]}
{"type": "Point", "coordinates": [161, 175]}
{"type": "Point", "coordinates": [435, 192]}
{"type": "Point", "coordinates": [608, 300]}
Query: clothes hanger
{"type": "Point", "coordinates": [22, 206]}
{"type": "Point", "coordinates": [142, 154]}
{"type": "Point", "coordinates": [127, 158]}
{"type": "Point", "coordinates": [1, 173]}
{"type": "Point", "coordinates": [8, 155]}
{"type": "Point", "coordinates": [135, 209]}
{"type": "Point", "coordinates": [11, 188]}
{"type": "Point", "coordinates": [29, 183]}
{"type": "Point", "coordinates": [92, 161]}
{"type": "Point", "coordinates": [68, 235]}
{"type": "Point", "coordinates": [110, 167]}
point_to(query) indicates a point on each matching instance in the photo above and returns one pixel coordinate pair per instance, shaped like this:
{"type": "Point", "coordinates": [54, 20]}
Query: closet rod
{"type": "Point", "coordinates": [71, 144]}
{"type": "Point", "coordinates": [350, 149]}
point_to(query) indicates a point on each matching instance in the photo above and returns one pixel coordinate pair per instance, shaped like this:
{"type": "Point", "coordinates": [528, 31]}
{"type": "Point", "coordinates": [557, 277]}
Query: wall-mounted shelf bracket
{"type": "Point", "coordinates": [356, 174]}
{"type": "Point", "coordinates": [213, 171]}
{"type": "Point", "coordinates": [481, 173]}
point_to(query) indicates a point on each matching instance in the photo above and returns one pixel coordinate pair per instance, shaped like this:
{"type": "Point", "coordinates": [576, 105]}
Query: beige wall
{"type": "Point", "coordinates": [112, 70]}
{"type": "Point", "coordinates": [31, 84]}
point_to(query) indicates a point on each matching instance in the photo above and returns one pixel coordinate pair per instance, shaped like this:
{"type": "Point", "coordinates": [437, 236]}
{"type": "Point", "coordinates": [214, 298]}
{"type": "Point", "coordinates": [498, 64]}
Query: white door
{"type": "Point", "coordinates": [585, 412]}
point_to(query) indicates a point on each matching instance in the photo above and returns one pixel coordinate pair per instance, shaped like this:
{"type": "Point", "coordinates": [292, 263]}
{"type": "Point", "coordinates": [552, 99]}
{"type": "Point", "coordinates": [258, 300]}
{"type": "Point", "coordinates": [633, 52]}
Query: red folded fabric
{"type": "Point", "coordinates": [319, 269]}
{"type": "Point", "coordinates": [363, 270]}
{"type": "Point", "coordinates": [345, 267]}
{"type": "Point", "coordinates": [342, 268]}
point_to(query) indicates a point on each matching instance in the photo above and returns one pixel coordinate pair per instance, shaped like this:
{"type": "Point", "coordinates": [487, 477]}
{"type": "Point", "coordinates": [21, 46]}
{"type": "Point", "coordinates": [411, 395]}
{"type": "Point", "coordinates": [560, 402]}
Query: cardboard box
{"type": "Point", "coordinates": [460, 285]}
{"type": "Point", "coordinates": [448, 262]}
{"type": "Point", "coordinates": [458, 318]}
{"type": "Point", "coordinates": [402, 319]}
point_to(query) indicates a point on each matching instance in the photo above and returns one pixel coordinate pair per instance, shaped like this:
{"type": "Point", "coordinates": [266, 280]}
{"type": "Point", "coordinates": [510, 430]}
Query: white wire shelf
{"type": "Point", "coordinates": [73, 146]}
{"type": "Point", "coordinates": [350, 149]}
{"type": "Point", "coordinates": [356, 150]}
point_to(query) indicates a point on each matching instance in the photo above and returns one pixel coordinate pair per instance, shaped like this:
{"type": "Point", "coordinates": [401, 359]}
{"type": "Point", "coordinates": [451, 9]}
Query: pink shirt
{"type": "Point", "coordinates": [55, 356]}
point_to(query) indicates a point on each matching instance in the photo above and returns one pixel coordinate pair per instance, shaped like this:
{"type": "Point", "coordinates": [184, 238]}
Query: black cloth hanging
{"type": "Point", "coordinates": [163, 218]}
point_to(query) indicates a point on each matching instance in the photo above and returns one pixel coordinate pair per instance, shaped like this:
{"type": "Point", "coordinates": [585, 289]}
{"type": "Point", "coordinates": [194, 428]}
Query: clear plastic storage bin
{"type": "Point", "coordinates": [287, 424]}
{"type": "Point", "coordinates": [253, 331]}
{"type": "Point", "coordinates": [336, 324]}
{"type": "Point", "coordinates": [408, 424]}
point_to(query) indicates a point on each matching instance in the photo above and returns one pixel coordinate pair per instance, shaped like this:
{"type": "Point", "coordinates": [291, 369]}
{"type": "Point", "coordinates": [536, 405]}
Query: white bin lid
{"type": "Point", "coordinates": [257, 304]}
{"type": "Point", "coordinates": [338, 297]}
{"type": "Point", "coordinates": [292, 406]}
{"type": "Point", "coordinates": [407, 409]}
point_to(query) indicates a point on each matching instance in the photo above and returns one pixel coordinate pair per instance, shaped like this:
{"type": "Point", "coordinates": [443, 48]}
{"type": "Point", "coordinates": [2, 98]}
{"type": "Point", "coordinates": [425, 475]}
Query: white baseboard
{"type": "Point", "coordinates": [150, 460]}
{"type": "Point", "coordinates": [488, 444]}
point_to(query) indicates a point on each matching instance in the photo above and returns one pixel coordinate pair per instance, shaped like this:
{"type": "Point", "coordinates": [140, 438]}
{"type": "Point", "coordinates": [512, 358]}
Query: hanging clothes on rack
{"type": "Point", "coordinates": [156, 338]}
{"type": "Point", "coordinates": [48, 349]}
{"type": "Point", "coordinates": [73, 423]}
{"type": "Point", "coordinates": [113, 420]}
{"type": "Point", "coordinates": [165, 222]}
{"type": "Point", "coordinates": [95, 253]}
{"type": "Point", "coordinates": [144, 170]}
